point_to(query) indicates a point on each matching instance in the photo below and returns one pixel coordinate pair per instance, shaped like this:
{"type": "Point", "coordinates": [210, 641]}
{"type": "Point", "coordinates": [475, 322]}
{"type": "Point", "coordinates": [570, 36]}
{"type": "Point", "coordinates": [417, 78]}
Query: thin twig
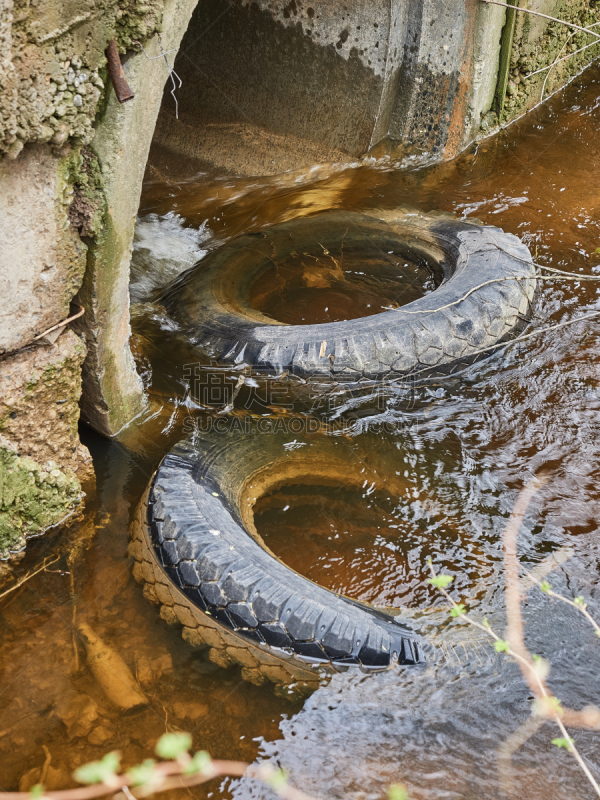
{"type": "Point", "coordinates": [564, 58]}
{"type": "Point", "coordinates": [581, 606]}
{"type": "Point", "coordinates": [500, 345]}
{"type": "Point", "coordinates": [549, 706]}
{"type": "Point", "coordinates": [64, 322]}
{"type": "Point", "coordinates": [558, 60]}
{"type": "Point", "coordinates": [545, 567]}
{"type": "Point", "coordinates": [166, 770]}
{"type": "Point", "coordinates": [171, 775]}
{"type": "Point", "coordinates": [47, 762]}
{"type": "Point", "coordinates": [587, 718]}
{"type": "Point", "coordinates": [515, 630]}
{"type": "Point", "coordinates": [577, 754]}
{"type": "Point", "coordinates": [539, 14]}
{"type": "Point", "coordinates": [74, 620]}
{"type": "Point", "coordinates": [29, 575]}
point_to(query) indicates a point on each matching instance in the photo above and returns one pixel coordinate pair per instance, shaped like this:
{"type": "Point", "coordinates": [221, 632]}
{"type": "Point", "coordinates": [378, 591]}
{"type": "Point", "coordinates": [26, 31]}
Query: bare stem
{"type": "Point", "coordinates": [545, 16]}
{"type": "Point", "coordinates": [579, 757]}
{"type": "Point", "coordinates": [549, 707]}
{"type": "Point", "coordinates": [29, 575]}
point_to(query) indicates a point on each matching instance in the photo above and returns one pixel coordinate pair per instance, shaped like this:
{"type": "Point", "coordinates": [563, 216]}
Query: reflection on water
{"type": "Point", "coordinates": [345, 282]}
{"type": "Point", "coordinates": [369, 545]}
{"type": "Point", "coordinates": [467, 445]}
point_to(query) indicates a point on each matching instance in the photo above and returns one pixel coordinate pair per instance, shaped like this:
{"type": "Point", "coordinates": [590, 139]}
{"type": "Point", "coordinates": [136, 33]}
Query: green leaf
{"type": "Point", "coordinates": [397, 791]}
{"type": "Point", "coordinates": [457, 610]}
{"type": "Point", "coordinates": [567, 743]}
{"type": "Point", "coordinates": [142, 773]}
{"type": "Point", "coordinates": [173, 745]}
{"type": "Point", "coordinates": [440, 581]}
{"type": "Point", "coordinates": [36, 791]}
{"type": "Point", "coordinates": [596, 252]}
{"type": "Point", "coordinates": [200, 762]}
{"type": "Point", "coordinates": [485, 623]}
{"type": "Point", "coordinates": [277, 779]}
{"type": "Point", "coordinates": [500, 646]}
{"type": "Point", "coordinates": [104, 771]}
{"type": "Point", "coordinates": [579, 601]}
{"type": "Point", "coordinates": [545, 586]}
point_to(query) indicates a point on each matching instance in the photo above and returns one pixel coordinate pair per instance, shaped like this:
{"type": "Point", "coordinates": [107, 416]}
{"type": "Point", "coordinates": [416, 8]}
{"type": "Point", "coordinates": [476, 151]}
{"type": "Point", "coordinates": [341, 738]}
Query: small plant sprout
{"type": "Point", "coordinates": [578, 602]}
{"type": "Point", "coordinates": [103, 771]}
{"type": "Point", "coordinates": [397, 791]}
{"type": "Point", "coordinates": [174, 745]}
{"type": "Point", "coordinates": [277, 779]}
{"type": "Point", "coordinates": [440, 581]}
{"type": "Point", "coordinates": [200, 763]}
{"type": "Point", "coordinates": [458, 610]}
{"type": "Point", "coordinates": [145, 777]}
{"type": "Point", "coordinates": [564, 741]}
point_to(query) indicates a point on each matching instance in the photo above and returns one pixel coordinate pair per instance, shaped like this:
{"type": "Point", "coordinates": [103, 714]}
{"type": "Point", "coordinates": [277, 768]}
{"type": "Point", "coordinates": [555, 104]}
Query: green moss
{"type": "Point", "coordinates": [88, 206]}
{"type": "Point", "coordinates": [32, 498]}
{"type": "Point", "coordinates": [138, 21]}
{"type": "Point", "coordinates": [529, 55]}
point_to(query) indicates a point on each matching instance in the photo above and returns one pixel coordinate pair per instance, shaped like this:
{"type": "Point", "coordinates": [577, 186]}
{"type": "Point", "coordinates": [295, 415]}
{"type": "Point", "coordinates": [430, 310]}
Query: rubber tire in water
{"type": "Point", "coordinates": [201, 559]}
{"type": "Point", "coordinates": [487, 285]}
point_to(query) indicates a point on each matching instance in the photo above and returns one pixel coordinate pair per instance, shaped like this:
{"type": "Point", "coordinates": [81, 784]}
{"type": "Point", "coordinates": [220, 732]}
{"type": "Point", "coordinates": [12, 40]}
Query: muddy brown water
{"type": "Point", "coordinates": [464, 447]}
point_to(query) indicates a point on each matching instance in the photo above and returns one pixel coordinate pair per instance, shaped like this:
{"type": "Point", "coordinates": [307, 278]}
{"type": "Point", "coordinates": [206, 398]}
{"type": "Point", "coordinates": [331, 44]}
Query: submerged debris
{"type": "Point", "coordinates": [111, 672]}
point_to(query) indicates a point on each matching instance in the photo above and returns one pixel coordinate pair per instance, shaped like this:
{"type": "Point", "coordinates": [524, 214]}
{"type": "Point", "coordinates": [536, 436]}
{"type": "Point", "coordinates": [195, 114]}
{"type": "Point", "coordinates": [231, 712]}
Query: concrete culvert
{"type": "Point", "coordinates": [408, 293]}
{"type": "Point", "coordinates": [198, 553]}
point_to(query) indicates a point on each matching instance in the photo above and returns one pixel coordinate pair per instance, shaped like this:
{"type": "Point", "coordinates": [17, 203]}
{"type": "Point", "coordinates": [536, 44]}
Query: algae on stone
{"type": "Point", "coordinates": [32, 497]}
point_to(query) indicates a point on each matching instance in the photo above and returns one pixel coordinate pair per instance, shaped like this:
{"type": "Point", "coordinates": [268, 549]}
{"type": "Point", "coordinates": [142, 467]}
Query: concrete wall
{"type": "Point", "coordinates": [269, 85]}
{"type": "Point", "coordinates": [338, 77]}
{"type": "Point", "coordinates": [52, 206]}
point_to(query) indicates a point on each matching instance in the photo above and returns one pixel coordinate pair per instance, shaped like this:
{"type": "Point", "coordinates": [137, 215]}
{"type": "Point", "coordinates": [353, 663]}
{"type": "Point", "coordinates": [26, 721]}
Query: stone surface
{"type": "Point", "coordinates": [39, 411]}
{"type": "Point", "coordinates": [41, 265]}
{"type": "Point", "coordinates": [78, 712]}
{"type": "Point", "coordinates": [51, 53]}
{"type": "Point", "coordinates": [32, 498]}
{"type": "Point", "coordinates": [538, 43]}
{"type": "Point", "coordinates": [42, 462]}
{"type": "Point", "coordinates": [113, 392]}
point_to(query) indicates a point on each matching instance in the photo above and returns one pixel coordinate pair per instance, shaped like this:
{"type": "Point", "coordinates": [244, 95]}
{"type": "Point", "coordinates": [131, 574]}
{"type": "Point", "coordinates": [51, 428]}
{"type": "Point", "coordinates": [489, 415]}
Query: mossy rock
{"type": "Point", "coordinates": [32, 498]}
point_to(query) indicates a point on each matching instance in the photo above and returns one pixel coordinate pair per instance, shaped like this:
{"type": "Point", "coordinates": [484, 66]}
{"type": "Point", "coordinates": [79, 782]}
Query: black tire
{"type": "Point", "coordinates": [487, 285]}
{"type": "Point", "coordinates": [200, 558]}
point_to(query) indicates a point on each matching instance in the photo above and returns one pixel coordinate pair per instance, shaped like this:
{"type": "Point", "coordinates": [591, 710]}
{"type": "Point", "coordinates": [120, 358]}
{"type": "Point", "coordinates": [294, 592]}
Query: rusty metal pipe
{"type": "Point", "coordinates": [117, 76]}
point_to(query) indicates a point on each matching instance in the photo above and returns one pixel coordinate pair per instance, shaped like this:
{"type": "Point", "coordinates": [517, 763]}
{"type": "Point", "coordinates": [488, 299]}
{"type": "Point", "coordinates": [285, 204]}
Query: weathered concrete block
{"type": "Point", "coordinates": [113, 392]}
{"type": "Point", "coordinates": [42, 259]}
{"type": "Point", "coordinates": [39, 404]}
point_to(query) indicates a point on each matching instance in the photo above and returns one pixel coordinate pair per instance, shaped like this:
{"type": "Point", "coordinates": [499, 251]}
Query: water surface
{"type": "Point", "coordinates": [464, 448]}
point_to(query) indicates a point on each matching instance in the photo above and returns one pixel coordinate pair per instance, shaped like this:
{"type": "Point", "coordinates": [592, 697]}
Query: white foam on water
{"type": "Point", "coordinates": [163, 248]}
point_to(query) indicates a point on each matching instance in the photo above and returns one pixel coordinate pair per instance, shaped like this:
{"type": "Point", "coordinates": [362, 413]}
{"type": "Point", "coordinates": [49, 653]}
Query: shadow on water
{"type": "Point", "coordinates": [462, 448]}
